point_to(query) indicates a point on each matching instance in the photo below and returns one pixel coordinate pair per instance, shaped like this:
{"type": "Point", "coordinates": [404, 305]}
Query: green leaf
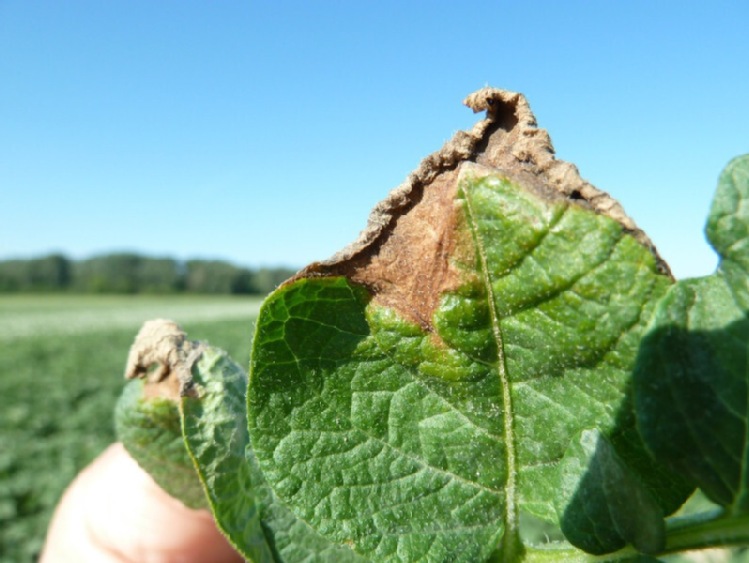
{"type": "Point", "coordinates": [215, 435]}
{"type": "Point", "coordinates": [245, 509]}
{"type": "Point", "coordinates": [691, 377]}
{"type": "Point", "coordinates": [149, 428]}
{"type": "Point", "coordinates": [413, 402]}
{"type": "Point", "coordinates": [604, 497]}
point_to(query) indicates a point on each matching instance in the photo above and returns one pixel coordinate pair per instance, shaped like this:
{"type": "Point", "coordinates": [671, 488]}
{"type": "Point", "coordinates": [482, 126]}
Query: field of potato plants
{"type": "Point", "coordinates": [61, 365]}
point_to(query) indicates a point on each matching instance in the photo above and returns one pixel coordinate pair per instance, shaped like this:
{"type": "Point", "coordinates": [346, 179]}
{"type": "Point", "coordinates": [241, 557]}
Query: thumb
{"type": "Point", "coordinates": [114, 512]}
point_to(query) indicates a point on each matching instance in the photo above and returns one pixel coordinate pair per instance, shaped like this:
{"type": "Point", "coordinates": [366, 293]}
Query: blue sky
{"type": "Point", "coordinates": [263, 132]}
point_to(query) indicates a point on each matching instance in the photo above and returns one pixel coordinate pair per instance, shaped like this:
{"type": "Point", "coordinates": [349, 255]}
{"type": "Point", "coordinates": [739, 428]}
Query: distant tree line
{"type": "Point", "coordinates": [133, 273]}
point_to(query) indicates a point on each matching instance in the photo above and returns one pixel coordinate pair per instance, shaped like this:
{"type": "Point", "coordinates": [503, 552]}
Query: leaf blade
{"type": "Point", "coordinates": [246, 510]}
{"type": "Point", "coordinates": [149, 428]}
{"type": "Point", "coordinates": [691, 380]}
{"type": "Point", "coordinates": [437, 397]}
{"type": "Point", "coordinates": [300, 444]}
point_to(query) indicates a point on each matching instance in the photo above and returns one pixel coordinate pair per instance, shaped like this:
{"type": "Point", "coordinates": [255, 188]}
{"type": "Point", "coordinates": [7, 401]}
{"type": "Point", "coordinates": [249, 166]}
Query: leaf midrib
{"type": "Point", "coordinates": [511, 537]}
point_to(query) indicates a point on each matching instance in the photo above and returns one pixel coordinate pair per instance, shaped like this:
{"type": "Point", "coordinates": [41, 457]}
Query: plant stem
{"type": "Point", "coordinates": [724, 531]}
{"type": "Point", "coordinates": [570, 554]}
{"type": "Point", "coordinates": [701, 531]}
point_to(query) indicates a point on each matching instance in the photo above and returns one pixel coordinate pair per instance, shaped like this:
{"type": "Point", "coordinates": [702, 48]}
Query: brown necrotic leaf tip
{"type": "Point", "coordinates": [402, 255]}
{"type": "Point", "coordinates": [163, 356]}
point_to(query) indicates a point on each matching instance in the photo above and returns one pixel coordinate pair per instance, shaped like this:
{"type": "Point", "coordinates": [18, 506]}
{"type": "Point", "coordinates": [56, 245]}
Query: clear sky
{"type": "Point", "coordinates": [263, 132]}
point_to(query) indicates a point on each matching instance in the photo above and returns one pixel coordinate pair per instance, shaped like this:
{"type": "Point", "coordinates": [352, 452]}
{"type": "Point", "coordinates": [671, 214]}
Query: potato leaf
{"type": "Point", "coordinates": [215, 430]}
{"type": "Point", "coordinates": [468, 360]}
{"type": "Point", "coordinates": [149, 428]}
{"type": "Point", "coordinates": [691, 377]}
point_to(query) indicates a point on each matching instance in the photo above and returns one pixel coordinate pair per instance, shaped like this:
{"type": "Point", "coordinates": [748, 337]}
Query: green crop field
{"type": "Point", "coordinates": [61, 364]}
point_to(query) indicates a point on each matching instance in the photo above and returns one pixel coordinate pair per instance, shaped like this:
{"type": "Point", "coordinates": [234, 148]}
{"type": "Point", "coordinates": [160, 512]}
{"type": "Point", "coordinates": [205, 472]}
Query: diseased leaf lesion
{"type": "Point", "coordinates": [409, 267]}
{"type": "Point", "coordinates": [163, 357]}
{"type": "Point", "coordinates": [405, 256]}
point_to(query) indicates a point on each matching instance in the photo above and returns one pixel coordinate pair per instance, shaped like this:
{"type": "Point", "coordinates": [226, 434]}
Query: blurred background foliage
{"type": "Point", "coordinates": [133, 273]}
